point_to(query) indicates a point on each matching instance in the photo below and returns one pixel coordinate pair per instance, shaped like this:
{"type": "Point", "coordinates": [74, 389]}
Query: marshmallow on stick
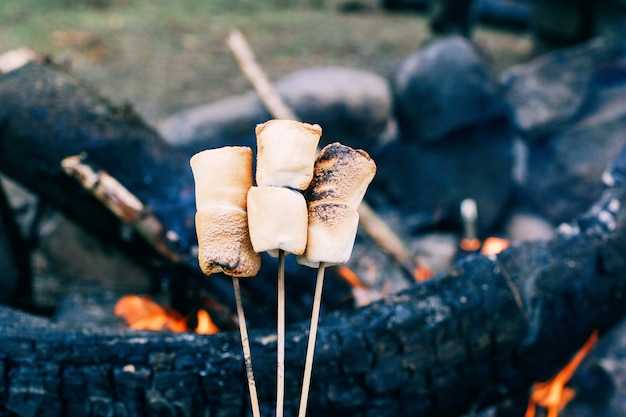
{"type": "Point", "coordinates": [279, 217]}
{"type": "Point", "coordinates": [341, 177]}
{"type": "Point", "coordinates": [286, 153]}
{"type": "Point", "coordinates": [277, 210]}
{"type": "Point", "coordinates": [223, 177]}
{"type": "Point", "coordinates": [277, 213]}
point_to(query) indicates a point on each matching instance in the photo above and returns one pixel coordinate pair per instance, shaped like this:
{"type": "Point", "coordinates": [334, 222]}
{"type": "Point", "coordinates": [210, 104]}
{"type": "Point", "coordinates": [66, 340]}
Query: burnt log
{"type": "Point", "coordinates": [47, 116]}
{"type": "Point", "coordinates": [485, 330]}
{"type": "Point", "coordinates": [14, 261]}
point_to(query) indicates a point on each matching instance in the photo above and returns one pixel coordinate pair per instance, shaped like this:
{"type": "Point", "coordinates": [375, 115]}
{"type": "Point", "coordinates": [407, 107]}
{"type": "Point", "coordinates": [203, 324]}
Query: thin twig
{"type": "Point", "coordinates": [257, 77]}
{"type": "Point", "coordinates": [372, 224]}
{"type": "Point", "coordinates": [308, 364]}
{"type": "Point", "coordinates": [127, 207]}
{"type": "Point", "coordinates": [247, 355]}
{"type": "Point", "coordinates": [280, 329]}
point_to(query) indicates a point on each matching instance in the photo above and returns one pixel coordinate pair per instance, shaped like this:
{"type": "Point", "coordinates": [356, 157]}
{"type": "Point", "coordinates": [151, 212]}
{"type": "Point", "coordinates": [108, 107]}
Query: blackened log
{"type": "Point", "coordinates": [47, 115]}
{"type": "Point", "coordinates": [487, 329]}
{"type": "Point", "coordinates": [15, 272]}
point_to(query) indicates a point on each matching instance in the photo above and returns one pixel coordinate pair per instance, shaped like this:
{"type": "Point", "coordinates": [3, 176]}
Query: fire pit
{"type": "Point", "coordinates": [476, 333]}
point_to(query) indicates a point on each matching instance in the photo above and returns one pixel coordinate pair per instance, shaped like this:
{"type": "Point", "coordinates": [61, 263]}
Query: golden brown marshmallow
{"type": "Point", "coordinates": [341, 175]}
{"type": "Point", "coordinates": [224, 244]}
{"type": "Point", "coordinates": [222, 179]}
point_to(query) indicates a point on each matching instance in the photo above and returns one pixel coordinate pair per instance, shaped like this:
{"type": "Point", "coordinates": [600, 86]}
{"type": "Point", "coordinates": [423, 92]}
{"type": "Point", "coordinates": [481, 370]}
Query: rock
{"type": "Point", "coordinates": [582, 130]}
{"type": "Point", "coordinates": [352, 106]}
{"type": "Point", "coordinates": [229, 121]}
{"type": "Point", "coordinates": [546, 93]}
{"type": "Point", "coordinates": [575, 17]}
{"type": "Point", "coordinates": [524, 225]}
{"type": "Point", "coordinates": [414, 177]}
{"type": "Point", "coordinates": [444, 87]}
{"type": "Point", "coordinates": [452, 17]}
{"type": "Point", "coordinates": [514, 14]}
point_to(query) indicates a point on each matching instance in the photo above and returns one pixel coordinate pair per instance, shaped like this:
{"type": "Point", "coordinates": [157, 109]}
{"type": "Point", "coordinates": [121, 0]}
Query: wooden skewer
{"type": "Point", "coordinates": [308, 364]}
{"type": "Point", "coordinates": [257, 77]}
{"type": "Point", "coordinates": [280, 354]}
{"type": "Point", "coordinates": [247, 355]}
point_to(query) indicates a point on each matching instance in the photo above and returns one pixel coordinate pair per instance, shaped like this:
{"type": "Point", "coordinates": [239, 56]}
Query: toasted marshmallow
{"type": "Point", "coordinates": [277, 219]}
{"type": "Point", "coordinates": [222, 176]}
{"type": "Point", "coordinates": [286, 153]}
{"type": "Point", "coordinates": [341, 175]}
{"type": "Point", "coordinates": [224, 242]}
{"type": "Point", "coordinates": [331, 234]}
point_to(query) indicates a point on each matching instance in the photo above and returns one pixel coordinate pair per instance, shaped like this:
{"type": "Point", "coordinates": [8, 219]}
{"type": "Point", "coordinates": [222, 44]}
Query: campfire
{"type": "Point", "coordinates": [142, 313]}
{"type": "Point", "coordinates": [471, 281]}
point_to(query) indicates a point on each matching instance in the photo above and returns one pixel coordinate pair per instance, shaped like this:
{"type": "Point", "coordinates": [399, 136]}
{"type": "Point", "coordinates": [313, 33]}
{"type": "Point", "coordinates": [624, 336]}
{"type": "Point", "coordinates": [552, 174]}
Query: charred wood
{"type": "Point", "coordinates": [48, 116]}
{"type": "Point", "coordinates": [484, 331]}
{"type": "Point", "coordinates": [15, 272]}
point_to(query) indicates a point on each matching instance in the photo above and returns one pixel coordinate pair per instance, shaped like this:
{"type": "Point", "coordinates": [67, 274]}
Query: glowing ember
{"type": "Point", "coordinates": [470, 245]}
{"type": "Point", "coordinates": [553, 395]}
{"type": "Point", "coordinates": [141, 313]}
{"type": "Point", "coordinates": [494, 245]}
{"type": "Point", "coordinates": [422, 273]}
{"type": "Point", "coordinates": [361, 292]}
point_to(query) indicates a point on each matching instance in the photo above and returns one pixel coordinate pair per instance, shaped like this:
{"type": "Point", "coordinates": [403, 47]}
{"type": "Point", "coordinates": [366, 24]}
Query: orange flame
{"type": "Point", "coordinates": [141, 313]}
{"type": "Point", "coordinates": [205, 324]}
{"type": "Point", "coordinates": [553, 395]}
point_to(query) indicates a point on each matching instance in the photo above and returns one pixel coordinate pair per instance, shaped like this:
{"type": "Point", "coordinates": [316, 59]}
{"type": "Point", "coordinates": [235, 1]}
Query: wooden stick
{"type": "Point", "coordinates": [280, 354]}
{"type": "Point", "coordinates": [308, 364]}
{"type": "Point", "coordinates": [257, 77]}
{"type": "Point", "coordinates": [372, 224]}
{"type": "Point", "coordinates": [386, 239]}
{"type": "Point", "coordinates": [119, 201]}
{"type": "Point", "coordinates": [247, 355]}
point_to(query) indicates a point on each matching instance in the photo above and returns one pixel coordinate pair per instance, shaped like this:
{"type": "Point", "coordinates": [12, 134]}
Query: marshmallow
{"type": "Point", "coordinates": [277, 219]}
{"type": "Point", "coordinates": [224, 243]}
{"type": "Point", "coordinates": [286, 153]}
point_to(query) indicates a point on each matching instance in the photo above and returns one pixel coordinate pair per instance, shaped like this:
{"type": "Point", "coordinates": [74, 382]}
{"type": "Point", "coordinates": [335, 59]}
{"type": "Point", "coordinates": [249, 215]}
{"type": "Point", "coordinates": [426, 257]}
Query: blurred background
{"type": "Point", "coordinates": [164, 56]}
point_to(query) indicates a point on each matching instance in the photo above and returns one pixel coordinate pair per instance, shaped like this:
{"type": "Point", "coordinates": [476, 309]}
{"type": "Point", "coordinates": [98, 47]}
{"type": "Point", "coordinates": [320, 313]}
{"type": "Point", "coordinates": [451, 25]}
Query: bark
{"type": "Point", "coordinates": [486, 330]}
{"type": "Point", "coordinates": [47, 115]}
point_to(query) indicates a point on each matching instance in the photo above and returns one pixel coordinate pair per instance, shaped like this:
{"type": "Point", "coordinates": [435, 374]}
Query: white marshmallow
{"type": "Point", "coordinates": [286, 153]}
{"type": "Point", "coordinates": [222, 176]}
{"type": "Point", "coordinates": [277, 219]}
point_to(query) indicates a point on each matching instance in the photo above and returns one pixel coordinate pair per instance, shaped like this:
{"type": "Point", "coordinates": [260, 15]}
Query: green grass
{"type": "Point", "coordinates": [164, 56]}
